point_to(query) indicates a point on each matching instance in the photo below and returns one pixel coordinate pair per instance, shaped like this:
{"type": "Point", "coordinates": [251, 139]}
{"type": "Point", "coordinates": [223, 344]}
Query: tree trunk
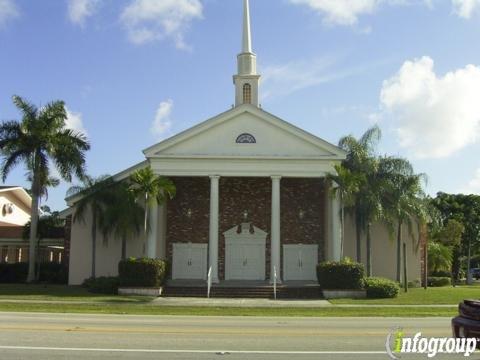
{"type": "Point", "coordinates": [342, 238]}
{"type": "Point", "coordinates": [405, 272]}
{"type": "Point", "coordinates": [94, 242]}
{"type": "Point", "coordinates": [469, 258]}
{"type": "Point", "coordinates": [124, 247]}
{"type": "Point", "coordinates": [145, 226]}
{"type": "Point", "coordinates": [369, 251]}
{"type": "Point", "coordinates": [399, 252]}
{"type": "Point", "coordinates": [33, 230]}
{"type": "Point", "coordinates": [358, 232]}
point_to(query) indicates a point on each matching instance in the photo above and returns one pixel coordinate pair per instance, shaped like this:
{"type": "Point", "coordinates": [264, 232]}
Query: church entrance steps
{"type": "Point", "coordinates": [242, 289]}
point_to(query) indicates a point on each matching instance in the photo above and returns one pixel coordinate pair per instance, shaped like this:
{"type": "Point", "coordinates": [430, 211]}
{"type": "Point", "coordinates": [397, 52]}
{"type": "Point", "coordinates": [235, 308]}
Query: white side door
{"type": "Point", "coordinates": [254, 263]}
{"type": "Point", "coordinates": [189, 261]}
{"type": "Point", "coordinates": [235, 262]}
{"type": "Point", "coordinates": [291, 263]}
{"type": "Point", "coordinates": [299, 262]}
{"type": "Point", "coordinates": [309, 261]}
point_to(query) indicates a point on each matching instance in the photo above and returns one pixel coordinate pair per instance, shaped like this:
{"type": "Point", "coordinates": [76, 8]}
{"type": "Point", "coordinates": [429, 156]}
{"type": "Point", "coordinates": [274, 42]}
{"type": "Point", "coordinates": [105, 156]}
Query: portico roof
{"type": "Point", "coordinates": [244, 141]}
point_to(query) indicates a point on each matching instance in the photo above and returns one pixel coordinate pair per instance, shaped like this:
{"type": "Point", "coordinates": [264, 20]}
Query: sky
{"type": "Point", "coordinates": [134, 72]}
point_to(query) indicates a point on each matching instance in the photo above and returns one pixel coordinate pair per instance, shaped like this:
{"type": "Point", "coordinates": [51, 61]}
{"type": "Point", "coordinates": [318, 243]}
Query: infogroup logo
{"type": "Point", "coordinates": [398, 344]}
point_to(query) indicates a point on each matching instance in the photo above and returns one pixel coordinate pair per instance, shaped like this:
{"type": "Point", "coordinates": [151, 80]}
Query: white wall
{"type": "Point", "coordinates": [21, 213]}
{"type": "Point", "coordinates": [384, 258]}
{"type": "Point", "coordinates": [107, 257]}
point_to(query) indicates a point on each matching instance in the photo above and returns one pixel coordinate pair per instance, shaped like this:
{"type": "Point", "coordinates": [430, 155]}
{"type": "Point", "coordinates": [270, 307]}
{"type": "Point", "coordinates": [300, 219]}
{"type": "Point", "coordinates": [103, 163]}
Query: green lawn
{"type": "Point", "coordinates": [137, 309]}
{"type": "Point", "coordinates": [76, 299]}
{"type": "Point", "coordinates": [439, 296]}
{"type": "Point", "coordinates": [61, 293]}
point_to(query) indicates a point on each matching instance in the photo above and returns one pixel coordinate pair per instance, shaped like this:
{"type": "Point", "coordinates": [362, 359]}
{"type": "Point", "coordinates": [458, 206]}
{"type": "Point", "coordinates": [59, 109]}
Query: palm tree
{"type": "Point", "coordinates": [37, 140]}
{"type": "Point", "coordinates": [48, 226]}
{"type": "Point", "coordinates": [403, 200]}
{"type": "Point", "coordinates": [439, 257]}
{"type": "Point", "coordinates": [123, 217]}
{"type": "Point", "coordinates": [153, 188]}
{"type": "Point", "coordinates": [47, 181]}
{"type": "Point", "coordinates": [96, 195]}
{"type": "Point", "coordinates": [347, 186]}
{"type": "Point", "coordinates": [361, 161]}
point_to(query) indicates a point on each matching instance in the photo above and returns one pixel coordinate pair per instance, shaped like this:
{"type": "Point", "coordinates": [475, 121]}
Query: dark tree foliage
{"type": "Point", "coordinates": [466, 210]}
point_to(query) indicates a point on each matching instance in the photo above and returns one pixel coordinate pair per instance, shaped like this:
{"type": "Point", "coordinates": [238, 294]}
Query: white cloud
{"type": "Point", "coordinates": [8, 11]}
{"type": "Point", "coordinates": [473, 186]}
{"type": "Point", "coordinates": [80, 10]}
{"type": "Point", "coordinates": [434, 116]}
{"type": "Point", "coordinates": [343, 12]}
{"type": "Point", "coordinates": [151, 20]}
{"type": "Point", "coordinates": [75, 122]}
{"type": "Point", "coordinates": [285, 79]}
{"type": "Point", "coordinates": [162, 122]}
{"type": "Point", "coordinates": [465, 8]}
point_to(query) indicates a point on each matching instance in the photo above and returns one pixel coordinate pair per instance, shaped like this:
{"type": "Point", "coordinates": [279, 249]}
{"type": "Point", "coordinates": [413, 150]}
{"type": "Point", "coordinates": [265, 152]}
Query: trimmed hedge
{"type": "Point", "coordinates": [102, 285]}
{"type": "Point", "coordinates": [13, 273]}
{"type": "Point", "coordinates": [381, 288]}
{"type": "Point", "coordinates": [142, 272]}
{"type": "Point", "coordinates": [437, 281]}
{"type": "Point", "coordinates": [441, 273]}
{"type": "Point", "coordinates": [53, 273]}
{"type": "Point", "coordinates": [414, 284]}
{"type": "Point", "coordinates": [340, 275]}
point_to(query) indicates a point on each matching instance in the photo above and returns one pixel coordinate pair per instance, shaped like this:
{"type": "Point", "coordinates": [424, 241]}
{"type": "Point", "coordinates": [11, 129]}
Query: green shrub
{"type": "Point", "coordinates": [435, 281]}
{"type": "Point", "coordinates": [102, 285]}
{"type": "Point", "coordinates": [13, 273]}
{"type": "Point", "coordinates": [142, 272]}
{"type": "Point", "coordinates": [381, 288]}
{"type": "Point", "coordinates": [441, 273]}
{"type": "Point", "coordinates": [340, 275]}
{"type": "Point", "coordinates": [414, 284]}
{"type": "Point", "coordinates": [53, 273]}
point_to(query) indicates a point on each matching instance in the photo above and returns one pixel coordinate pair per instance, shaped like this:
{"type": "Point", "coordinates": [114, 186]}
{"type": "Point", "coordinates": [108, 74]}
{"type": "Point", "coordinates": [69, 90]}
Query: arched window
{"type": "Point", "coordinates": [247, 94]}
{"type": "Point", "coordinates": [246, 139]}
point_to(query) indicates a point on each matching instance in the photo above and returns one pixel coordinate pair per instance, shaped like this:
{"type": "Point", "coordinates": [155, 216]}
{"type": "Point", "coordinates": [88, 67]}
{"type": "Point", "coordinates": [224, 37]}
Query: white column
{"type": "Point", "coordinates": [275, 229]}
{"type": "Point", "coordinates": [153, 233]}
{"type": "Point", "coordinates": [213, 240]}
{"type": "Point", "coordinates": [335, 227]}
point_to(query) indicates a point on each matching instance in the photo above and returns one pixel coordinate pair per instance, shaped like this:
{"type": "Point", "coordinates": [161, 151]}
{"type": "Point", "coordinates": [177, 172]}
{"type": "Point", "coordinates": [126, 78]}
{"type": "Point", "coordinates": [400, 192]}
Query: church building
{"type": "Point", "coordinates": [252, 203]}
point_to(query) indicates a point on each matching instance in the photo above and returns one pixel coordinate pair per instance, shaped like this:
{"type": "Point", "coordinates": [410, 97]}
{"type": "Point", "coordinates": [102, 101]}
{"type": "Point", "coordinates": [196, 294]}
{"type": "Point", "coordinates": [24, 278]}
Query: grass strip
{"type": "Point", "coordinates": [131, 309]}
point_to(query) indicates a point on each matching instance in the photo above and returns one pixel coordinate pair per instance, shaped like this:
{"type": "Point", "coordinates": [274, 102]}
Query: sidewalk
{"type": "Point", "coordinates": [219, 302]}
{"type": "Point", "coordinates": [268, 303]}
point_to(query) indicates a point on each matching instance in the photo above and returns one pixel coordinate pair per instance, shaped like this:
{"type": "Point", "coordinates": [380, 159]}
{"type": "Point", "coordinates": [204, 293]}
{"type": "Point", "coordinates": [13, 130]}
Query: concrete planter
{"type": "Point", "coordinates": [344, 294]}
{"type": "Point", "coordinates": [140, 291]}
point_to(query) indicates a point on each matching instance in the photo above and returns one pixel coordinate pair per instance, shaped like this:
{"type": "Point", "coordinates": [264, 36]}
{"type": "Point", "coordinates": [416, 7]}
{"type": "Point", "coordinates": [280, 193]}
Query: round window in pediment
{"type": "Point", "coordinates": [246, 139]}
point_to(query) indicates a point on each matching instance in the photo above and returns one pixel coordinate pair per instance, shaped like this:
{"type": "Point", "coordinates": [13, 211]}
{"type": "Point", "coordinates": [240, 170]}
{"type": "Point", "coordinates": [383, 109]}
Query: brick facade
{"type": "Point", "coordinates": [302, 212]}
{"type": "Point", "coordinates": [192, 194]}
{"type": "Point", "coordinates": [237, 195]}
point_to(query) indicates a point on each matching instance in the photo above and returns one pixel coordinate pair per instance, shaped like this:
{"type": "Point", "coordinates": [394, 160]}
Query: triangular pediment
{"type": "Point", "coordinates": [245, 131]}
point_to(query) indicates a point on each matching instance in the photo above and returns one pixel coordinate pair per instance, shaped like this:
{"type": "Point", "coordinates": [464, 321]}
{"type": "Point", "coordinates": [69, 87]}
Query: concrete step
{"type": "Point", "coordinates": [256, 292]}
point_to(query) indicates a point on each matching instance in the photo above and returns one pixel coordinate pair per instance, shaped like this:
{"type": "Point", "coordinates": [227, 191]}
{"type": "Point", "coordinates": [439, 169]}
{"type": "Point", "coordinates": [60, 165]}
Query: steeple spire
{"type": "Point", "coordinates": [247, 37]}
{"type": "Point", "coordinates": [247, 80]}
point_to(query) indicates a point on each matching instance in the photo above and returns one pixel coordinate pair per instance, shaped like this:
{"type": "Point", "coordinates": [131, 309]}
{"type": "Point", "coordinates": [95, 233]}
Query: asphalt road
{"type": "Point", "coordinates": [67, 336]}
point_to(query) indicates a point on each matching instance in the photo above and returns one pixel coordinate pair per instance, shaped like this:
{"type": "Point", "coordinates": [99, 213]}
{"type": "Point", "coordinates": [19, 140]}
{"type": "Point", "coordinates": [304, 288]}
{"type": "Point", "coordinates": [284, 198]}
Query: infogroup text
{"type": "Point", "coordinates": [398, 344]}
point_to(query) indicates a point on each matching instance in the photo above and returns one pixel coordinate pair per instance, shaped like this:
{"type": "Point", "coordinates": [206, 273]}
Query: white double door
{"type": "Point", "coordinates": [244, 260]}
{"type": "Point", "coordinates": [189, 261]}
{"type": "Point", "coordinates": [300, 262]}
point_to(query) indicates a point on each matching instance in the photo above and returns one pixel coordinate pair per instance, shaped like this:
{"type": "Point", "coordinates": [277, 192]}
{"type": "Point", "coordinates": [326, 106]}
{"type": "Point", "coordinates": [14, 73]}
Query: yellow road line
{"type": "Point", "coordinates": [207, 331]}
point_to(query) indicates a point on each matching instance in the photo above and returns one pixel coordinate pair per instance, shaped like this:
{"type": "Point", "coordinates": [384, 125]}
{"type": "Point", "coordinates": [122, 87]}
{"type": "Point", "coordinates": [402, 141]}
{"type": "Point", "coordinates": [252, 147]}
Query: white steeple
{"type": "Point", "coordinates": [247, 80]}
{"type": "Point", "coordinates": [247, 36]}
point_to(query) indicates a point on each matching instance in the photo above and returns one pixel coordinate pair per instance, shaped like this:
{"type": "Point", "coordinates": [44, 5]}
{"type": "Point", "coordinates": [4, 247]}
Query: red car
{"type": "Point", "coordinates": [467, 324]}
